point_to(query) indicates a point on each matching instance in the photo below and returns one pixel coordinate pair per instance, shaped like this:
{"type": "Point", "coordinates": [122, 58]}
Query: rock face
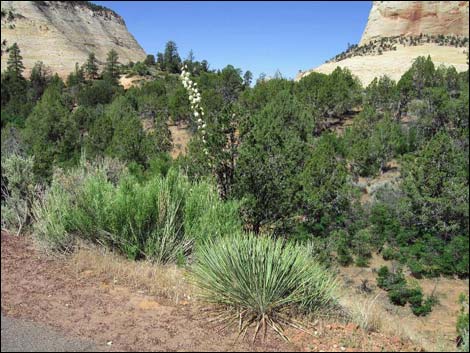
{"type": "Point", "coordinates": [407, 18]}
{"type": "Point", "coordinates": [394, 18]}
{"type": "Point", "coordinates": [61, 33]}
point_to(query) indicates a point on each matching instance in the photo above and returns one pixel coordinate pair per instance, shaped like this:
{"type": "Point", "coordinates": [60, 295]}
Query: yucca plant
{"type": "Point", "coordinates": [261, 281]}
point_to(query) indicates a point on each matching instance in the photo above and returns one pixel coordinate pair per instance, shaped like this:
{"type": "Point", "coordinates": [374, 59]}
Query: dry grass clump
{"type": "Point", "coordinates": [164, 281]}
{"type": "Point", "coordinates": [366, 312]}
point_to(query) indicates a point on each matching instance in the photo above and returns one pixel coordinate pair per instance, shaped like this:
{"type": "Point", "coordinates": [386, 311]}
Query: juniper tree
{"type": "Point", "coordinates": [150, 60]}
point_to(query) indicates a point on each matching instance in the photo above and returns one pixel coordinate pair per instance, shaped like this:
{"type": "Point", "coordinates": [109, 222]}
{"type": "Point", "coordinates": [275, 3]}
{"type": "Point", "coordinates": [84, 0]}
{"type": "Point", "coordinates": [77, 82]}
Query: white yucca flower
{"type": "Point", "coordinates": [194, 99]}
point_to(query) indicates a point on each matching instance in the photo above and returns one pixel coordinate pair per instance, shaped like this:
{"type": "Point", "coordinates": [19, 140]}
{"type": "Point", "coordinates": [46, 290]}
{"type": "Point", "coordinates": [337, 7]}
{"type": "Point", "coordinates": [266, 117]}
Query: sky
{"type": "Point", "coordinates": [262, 37]}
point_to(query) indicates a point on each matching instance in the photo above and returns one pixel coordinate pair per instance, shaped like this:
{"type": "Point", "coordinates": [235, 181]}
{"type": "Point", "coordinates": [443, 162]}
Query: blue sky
{"type": "Point", "coordinates": [252, 35]}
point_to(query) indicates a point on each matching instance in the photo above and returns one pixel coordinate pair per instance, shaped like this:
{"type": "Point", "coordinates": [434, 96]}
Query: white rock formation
{"type": "Point", "coordinates": [61, 33]}
{"type": "Point", "coordinates": [394, 18]}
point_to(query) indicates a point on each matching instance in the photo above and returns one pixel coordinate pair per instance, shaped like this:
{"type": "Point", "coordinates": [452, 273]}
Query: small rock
{"type": "Point", "coordinates": [351, 327]}
{"type": "Point", "coordinates": [109, 343]}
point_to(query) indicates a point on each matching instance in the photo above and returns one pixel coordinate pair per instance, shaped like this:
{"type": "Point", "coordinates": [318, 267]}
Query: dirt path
{"type": "Point", "coordinates": [47, 290]}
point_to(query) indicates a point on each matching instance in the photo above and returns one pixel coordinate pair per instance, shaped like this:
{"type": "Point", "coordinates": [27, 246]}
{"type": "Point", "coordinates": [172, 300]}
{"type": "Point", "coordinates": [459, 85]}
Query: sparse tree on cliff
{"type": "Point", "coordinates": [15, 62]}
{"type": "Point", "coordinates": [91, 67]}
{"type": "Point", "coordinates": [111, 70]}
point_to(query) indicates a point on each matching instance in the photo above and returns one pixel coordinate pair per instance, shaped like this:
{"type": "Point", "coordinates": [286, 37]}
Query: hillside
{"type": "Point", "coordinates": [61, 33]}
{"type": "Point", "coordinates": [395, 63]}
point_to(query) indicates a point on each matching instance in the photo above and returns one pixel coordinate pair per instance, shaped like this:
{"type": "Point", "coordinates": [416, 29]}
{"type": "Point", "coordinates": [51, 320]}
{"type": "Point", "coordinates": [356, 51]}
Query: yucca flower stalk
{"type": "Point", "coordinates": [195, 100]}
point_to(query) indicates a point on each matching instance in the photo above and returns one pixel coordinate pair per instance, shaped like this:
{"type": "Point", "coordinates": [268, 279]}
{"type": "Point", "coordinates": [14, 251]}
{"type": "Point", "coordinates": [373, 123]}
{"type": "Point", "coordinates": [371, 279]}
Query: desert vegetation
{"type": "Point", "coordinates": [383, 44]}
{"type": "Point", "coordinates": [265, 205]}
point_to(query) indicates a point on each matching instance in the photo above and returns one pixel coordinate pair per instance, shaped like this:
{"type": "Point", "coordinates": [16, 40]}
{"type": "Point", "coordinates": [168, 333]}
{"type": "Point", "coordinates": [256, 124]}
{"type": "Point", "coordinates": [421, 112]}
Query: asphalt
{"type": "Point", "coordinates": [25, 336]}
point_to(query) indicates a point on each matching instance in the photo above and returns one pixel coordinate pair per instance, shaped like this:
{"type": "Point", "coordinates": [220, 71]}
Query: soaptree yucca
{"type": "Point", "coordinates": [260, 281]}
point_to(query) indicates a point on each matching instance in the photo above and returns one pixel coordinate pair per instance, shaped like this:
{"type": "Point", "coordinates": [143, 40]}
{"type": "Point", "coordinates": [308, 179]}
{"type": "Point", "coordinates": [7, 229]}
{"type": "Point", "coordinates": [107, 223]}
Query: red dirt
{"type": "Point", "coordinates": [44, 289]}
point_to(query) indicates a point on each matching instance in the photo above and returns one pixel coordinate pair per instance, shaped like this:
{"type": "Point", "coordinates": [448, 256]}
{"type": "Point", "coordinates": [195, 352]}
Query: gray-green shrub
{"type": "Point", "coordinates": [53, 216]}
{"type": "Point", "coordinates": [18, 191]}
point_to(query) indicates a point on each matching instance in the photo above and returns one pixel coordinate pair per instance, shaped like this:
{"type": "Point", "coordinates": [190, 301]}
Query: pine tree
{"type": "Point", "coordinates": [247, 78]}
{"type": "Point", "coordinates": [79, 73]}
{"type": "Point", "coordinates": [40, 77]}
{"type": "Point", "coordinates": [91, 67]}
{"type": "Point", "coordinates": [15, 62]}
{"type": "Point", "coordinates": [190, 61]}
{"type": "Point", "coordinates": [160, 61]}
{"type": "Point", "coordinates": [111, 70]}
{"type": "Point", "coordinates": [76, 77]}
{"type": "Point", "coordinates": [171, 58]}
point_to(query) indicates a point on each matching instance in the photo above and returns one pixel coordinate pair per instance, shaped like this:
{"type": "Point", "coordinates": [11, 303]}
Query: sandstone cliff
{"type": "Point", "coordinates": [404, 19]}
{"type": "Point", "coordinates": [394, 18]}
{"type": "Point", "coordinates": [61, 33]}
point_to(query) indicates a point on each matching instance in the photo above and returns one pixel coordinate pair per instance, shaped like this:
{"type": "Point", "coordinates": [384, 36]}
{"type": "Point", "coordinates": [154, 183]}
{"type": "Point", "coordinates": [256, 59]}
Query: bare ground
{"type": "Point", "coordinates": [180, 136]}
{"type": "Point", "coordinates": [94, 305]}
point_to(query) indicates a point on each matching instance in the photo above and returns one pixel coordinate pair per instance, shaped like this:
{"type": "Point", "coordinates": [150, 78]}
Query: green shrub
{"type": "Point", "coordinates": [362, 261]}
{"type": "Point", "coordinates": [98, 92]}
{"type": "Point", "coordinates": [343, 254]}
{"type": "Point", "coordinates": [158, 219]}
{"type": "Point", "coordinates": [140, 220]}
{"type": "Point", "coordinates": [418, 306]}
{"type": "Point", "coordinates": [398, 294]}
{"type": "Point", "coordinates": [415, 296]}
{"type": "Point", "coordinates": [389, 254]}
{"type": "Point", "coordinates": [424, 308]}
{"type": "Point", "coordinates": [389, 280]}
{"type": "Point", "coordinates": [206, 216]}
{"type": "Point", "coordinates": [260, 279]}
{"type": "Point", "coordinates": [362, 244]}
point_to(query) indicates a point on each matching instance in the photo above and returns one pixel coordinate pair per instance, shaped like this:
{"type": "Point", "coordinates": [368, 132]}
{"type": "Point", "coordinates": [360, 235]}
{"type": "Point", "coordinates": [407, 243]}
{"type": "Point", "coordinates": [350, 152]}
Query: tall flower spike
{"type": "Point", "coordinates": [194, 97]}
